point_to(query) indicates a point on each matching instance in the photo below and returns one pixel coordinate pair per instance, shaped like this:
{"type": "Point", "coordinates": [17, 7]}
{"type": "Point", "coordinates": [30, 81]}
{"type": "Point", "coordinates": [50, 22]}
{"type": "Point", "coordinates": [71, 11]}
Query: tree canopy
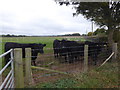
{"type": "Point", "coordinates": [102, 13]}
{"type": "Point", "coordinates": [100, 31]}
{"type": "Point", "coordinates": [90, 33]}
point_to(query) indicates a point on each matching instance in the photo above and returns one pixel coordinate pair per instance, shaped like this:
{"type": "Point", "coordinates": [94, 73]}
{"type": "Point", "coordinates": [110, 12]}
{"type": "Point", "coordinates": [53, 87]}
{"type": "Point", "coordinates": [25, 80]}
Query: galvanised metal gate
{"type": "Point", "coordinates": [9, 79]}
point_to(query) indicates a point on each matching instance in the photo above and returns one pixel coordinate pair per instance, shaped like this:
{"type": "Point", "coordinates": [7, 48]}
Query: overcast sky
{"type": "Point", "coordinates": [40, 17]}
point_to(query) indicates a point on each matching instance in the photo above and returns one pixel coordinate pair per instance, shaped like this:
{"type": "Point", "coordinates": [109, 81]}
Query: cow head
{"type": "Point", "coordinates": [38, 48]}
{"type": "Point", "coordinates": [41, 46]}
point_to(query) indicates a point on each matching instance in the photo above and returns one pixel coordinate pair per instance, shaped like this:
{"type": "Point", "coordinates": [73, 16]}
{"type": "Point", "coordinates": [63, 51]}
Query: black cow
{"type": "Point", "coordinates": [56, 47]}
{"type": "Point", "coordinates": [36, 48]}
{"type": "Point", "coordinates": [71, 50]}
{"type": "Point", "coordinates": [66, 49]}
{"type": "Point", "coordinates": [94, 49]}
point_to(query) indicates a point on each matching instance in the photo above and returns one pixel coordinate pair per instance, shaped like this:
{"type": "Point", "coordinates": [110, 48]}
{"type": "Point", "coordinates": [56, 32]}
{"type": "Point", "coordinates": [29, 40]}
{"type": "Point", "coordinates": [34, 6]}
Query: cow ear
{"type": "Point", "coordinates": [44, 44]}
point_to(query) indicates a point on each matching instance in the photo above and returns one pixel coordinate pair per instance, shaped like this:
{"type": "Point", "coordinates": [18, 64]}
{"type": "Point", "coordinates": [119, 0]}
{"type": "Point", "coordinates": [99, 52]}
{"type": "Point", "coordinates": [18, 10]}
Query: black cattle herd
{"type": "Point", "coordinates": [69, 50]}
{"type": "Point", "coordinates": [72, 50]}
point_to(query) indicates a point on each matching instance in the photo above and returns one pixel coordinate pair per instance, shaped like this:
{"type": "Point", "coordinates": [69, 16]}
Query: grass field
{"type": "Point", "coordinates": [105, 77]}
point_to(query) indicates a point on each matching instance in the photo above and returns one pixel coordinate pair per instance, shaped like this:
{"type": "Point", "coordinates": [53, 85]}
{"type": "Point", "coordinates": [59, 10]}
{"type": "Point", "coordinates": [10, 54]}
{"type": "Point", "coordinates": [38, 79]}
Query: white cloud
{"type": "Point", "coordinates": [39, 17]}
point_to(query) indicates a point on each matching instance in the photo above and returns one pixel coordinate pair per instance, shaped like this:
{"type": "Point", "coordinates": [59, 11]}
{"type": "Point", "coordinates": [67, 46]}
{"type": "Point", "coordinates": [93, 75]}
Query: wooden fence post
{"type": "Point", "coordinates": [85, 58]}
{"type": "Point", "coordinates": [28, 71]}
{"type": "Point", "coordinates": [114, 49]}
{"type": "Point", "coordinates": [19, 77]}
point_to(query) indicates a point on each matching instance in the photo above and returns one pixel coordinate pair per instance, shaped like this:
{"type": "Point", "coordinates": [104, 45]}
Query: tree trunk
{"type": "Point", "coordinates": [110, 36]}
{"type": "Point", "coordinates": [119, 51]}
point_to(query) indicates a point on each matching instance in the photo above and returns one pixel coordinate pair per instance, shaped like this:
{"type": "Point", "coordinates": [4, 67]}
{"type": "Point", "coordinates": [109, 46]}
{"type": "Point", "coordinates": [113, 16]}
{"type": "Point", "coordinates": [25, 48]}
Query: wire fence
{"type": "Point", "coordinates": [71, 62]}
{"type": "Point", "coordinates": [75, 52]}
{"type": "Point", "coordinates": [69, 59]}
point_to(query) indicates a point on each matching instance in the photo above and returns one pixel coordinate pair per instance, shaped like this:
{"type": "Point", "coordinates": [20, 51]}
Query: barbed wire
{"type": "Point", "coordinates": [77, 47]}
{"type": "Point", "coordinates": [102, 58]}
{"type": "Point", "coordinates": [66, 54]}
{"type": "Point", "coordinates": [91, 52]}
{"type": "Point", "coordinates": [71, 53]}
{"type": "Point", "coordinates": [94, 45]}
{"type": "Point", "coordinates": [77, 52]}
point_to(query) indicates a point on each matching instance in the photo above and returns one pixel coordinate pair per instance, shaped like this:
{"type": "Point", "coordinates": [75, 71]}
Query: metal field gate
{"type": "Point", "coordinates": [8, 81]}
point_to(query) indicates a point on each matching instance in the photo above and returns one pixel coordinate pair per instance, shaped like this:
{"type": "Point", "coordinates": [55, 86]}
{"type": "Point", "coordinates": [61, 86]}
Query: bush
{"type": "Point", "coordinates": [90, 33]}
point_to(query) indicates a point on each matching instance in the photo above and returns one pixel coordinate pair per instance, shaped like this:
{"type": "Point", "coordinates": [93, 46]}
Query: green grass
{"type": "Point", "coordinates": [104, 77]}
{"type": "Point", "coordinates": [62, 83]}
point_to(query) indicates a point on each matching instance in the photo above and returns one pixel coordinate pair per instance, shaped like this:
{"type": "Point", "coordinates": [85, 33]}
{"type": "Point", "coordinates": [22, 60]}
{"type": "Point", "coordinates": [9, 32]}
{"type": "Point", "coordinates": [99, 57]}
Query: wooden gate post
{"type": "Point", "coordinates": [114, 49]}
{"type": "Point", "coordinates": [19, 77]}
{"type": "Point", "coordinates": [28, 71]}
{"type": "Point", "coordinates": [85, 58]}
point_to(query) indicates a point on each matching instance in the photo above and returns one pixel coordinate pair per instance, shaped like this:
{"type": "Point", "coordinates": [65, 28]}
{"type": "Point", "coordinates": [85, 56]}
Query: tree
{"type": "Point", "coordinates": [100, 31]}
{"type": "Point", "coordinates": [90, 33]}
{"type": "Point", "coordinates": [102, 13]}
{"type": "Point", "coordinates": [75, 34]}
{"type": "Point", "coordinates": [116, 36]}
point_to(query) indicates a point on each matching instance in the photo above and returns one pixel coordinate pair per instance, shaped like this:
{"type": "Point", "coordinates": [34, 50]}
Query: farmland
{"type": "Point", "coordinates": [105, 77]}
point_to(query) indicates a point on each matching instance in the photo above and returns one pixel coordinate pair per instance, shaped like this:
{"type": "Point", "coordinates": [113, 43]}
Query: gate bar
{"type": "Point", "coordinates": [2, 55]}
{"type": "Point", "coordinates": [5, 67]}
{"type": "Point", "coordinates": [12, 82]}
{"type": "Point", "coordinates": [9, 81]}
{"type": "Point", "coordinates": [5, 80]}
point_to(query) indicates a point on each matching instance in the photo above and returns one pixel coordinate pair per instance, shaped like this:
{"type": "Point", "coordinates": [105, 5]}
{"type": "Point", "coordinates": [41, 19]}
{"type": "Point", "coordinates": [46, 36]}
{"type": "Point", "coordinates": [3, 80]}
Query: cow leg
{"type": "Point", "coordinates": [65, 58]}
{"type": "Point", "coordinates": [23, 52]}
{"type": "Point", "coordinates": [71, 59]}
{"type": "Point", "coordinates": [55, 55]}
{"type": "Point", "coordinates": [7, 58]}
{"type": "Point", "coordinates": [76, 58]}
{"type": "Point", "coordinates": [95, 60]}
{"type": "Point", "coordinates": [33, 62]}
